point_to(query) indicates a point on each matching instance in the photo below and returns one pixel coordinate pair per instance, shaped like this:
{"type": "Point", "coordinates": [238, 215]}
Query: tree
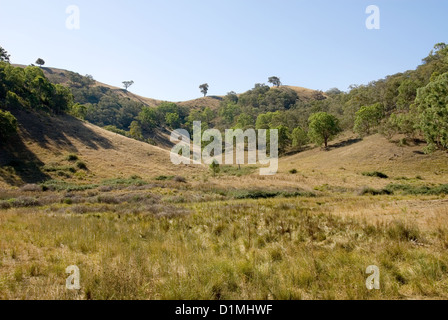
{"type": "Point", "coordinates": [275, 81]}
{"type": "Point", "coordinates": [432, 107]}
{"type": "Point", "coordinates": [61, 99]}
{"type": "Point", "coordinates": [148, 118]}
{"type": "Point", "coordinates": [135, 130]}
{"type": "Point", "coordinates": [245, 121]}
{"type": "Point", "coordinates": [172, 120]}
{"type": "Point", "coordinates": [283, 137]}
{"type": "Point", "coordinates": [40, 62]}
{"type": "Point", "coordinates": [299, 137]}
{"type": "Point", "coordinates": [322, 128]}
{"type": "Point", "coordinates": [4, 56]}
{"type": "Point", "coordinates": [204, 88]}
{"type": "Point", "coordinates": [367, 118]}
{"type": "Point", "coordinates": [127, 84]}
{"type": "Point", "coordinates": [231, 96]}
{"type": "Point", "coordinates": [8, 125]}
{"type": "Point", "coordinates": [78, 110]}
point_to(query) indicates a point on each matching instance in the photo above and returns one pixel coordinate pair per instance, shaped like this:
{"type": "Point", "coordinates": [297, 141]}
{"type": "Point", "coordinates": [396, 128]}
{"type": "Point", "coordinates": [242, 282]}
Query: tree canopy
{"type": "Point", "coordinates": [275, 81]}
{"type": "Point", "coordinates": [204, 88]}
{"type": "Point", "coordinates": [323, 127]}
{"type": "Point", "coordinates": [4, 56]}
{"type": "Point", "coordinates": [40, 62]}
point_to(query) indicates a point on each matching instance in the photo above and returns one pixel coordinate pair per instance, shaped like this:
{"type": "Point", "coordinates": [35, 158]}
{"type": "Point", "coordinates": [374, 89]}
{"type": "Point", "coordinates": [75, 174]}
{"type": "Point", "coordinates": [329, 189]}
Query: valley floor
{"type": "Point", "coordinates": [165, 241]}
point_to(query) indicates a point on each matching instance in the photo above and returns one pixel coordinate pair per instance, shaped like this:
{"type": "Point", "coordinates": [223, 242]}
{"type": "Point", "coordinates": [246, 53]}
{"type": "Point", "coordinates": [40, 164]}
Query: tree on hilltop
{"type": "Point", "coordinates": [275, 81]}
{"type": "Point", "coordinates": [127, 84]}
{"type": "Point", "coordinates": [40, 62]}
{"type": "Point", "coordinates": [204, 88]}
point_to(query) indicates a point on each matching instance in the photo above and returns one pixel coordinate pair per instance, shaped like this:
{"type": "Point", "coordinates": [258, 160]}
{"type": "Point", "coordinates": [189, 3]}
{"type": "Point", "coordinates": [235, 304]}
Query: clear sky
{"type": "Point", "coordinates": [170, 47]}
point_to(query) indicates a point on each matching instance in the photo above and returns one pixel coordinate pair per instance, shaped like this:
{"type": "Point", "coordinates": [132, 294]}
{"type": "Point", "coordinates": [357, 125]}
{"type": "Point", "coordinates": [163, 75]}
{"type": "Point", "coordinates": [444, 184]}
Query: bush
{"type": "Point", "coordinates": [5, 205]}
{"type": "Point", "coordinates": [373, 192]}
{"type": "Point", "coordinates": [375, 174]}
{"type": "Point", "coordinates": [56, 185]}
{"type": "Point", "coordinates": [164, 178]}
{"type": "Point", "coordinates": [81, 165]}
{"type": "Point", "coordinates": [124, 182]}
{"type": "Point", "coordinates": [418, 190]}
{"type": "Point", "coordinates": [264, 194]}
{"type": "Point", "coordinates": [72, 157]}
{"type": "Point", "coordinates": [31, 188]}
{"type": "Point", "coordinates": [24, 202]}
{"type": "Point", "coordinates": [179, 179]}
{"type": "Point", "coordinates": [293, 171]}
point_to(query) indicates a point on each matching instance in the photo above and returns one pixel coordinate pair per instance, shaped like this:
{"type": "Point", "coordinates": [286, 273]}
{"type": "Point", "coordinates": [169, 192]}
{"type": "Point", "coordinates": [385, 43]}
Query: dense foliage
{"type": "Point", "coordinates": [8, 125]}
{"type": "Point", "coordinates": [29, 88]}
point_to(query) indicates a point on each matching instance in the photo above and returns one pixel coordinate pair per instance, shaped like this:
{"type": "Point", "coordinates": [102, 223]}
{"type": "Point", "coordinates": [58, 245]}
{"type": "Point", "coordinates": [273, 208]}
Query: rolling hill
{"type": "Point", "coordinates": [44, 142]}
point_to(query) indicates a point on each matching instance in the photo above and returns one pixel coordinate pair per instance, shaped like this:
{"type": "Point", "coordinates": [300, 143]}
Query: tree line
{"type": "Point", "coordinates": [413, 103]}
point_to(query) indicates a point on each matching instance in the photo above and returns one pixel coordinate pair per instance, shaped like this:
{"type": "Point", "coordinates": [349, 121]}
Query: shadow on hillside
{"type": "Point", "coordinates": [345, 143]}
{"type": "Point", "coordinates": [216, 98]}
{"type": "Point", "coordinates": [17, 160]}
{"type": "Point", "coordinates": [56, 132]}
{"type": "Point", "coordinates": [296, 151]}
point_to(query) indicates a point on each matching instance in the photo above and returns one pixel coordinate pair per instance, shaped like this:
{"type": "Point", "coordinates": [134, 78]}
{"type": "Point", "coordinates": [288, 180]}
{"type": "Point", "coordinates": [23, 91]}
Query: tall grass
{"type": "Point", "coordinates": [137, 247]}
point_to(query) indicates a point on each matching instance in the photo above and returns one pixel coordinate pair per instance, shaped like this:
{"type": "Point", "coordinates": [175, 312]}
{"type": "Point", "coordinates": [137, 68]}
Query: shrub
{"type": "Point", "coordinates": [31, 188]}
{"type": "Point", "coordinates": [81, 165]}
{"type": "Point", "coordinates": [124, 182]}
{"type": "Point", "coordinates": [265, 194]}
{"type": "Point", "coordinates": [418, 190]}
{"type": "Point", "coordinates": [375, 174]}
{"type": "Point", "coordinates": [164, 178]}
{"type": "Point", "coordinates": [24, 202]}
{"type": "Point", "coordinates": [293, 171]}
{"type": "Point", "coordinates": [57, 185]}
{"type": "Point", "coordinates": [5, 205]}
{"type": "Point", "coordinates": [109, 199]}
{"type": "Point", "coordinates": [72, 157]}
{"type": "Point", "coordinates": [374, 192]}
{"type": "Point", "coordinates": [179, 179]}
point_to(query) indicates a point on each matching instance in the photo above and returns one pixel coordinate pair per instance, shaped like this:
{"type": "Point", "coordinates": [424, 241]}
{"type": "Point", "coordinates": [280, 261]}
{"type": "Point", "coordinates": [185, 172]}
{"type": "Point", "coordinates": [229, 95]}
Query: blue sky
{"type": "Point", "coordinates": [170, 47]}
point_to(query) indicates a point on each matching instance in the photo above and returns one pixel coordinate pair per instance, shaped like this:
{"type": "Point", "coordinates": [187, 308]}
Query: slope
{"type": "Point", "coordinates": [40, 151]}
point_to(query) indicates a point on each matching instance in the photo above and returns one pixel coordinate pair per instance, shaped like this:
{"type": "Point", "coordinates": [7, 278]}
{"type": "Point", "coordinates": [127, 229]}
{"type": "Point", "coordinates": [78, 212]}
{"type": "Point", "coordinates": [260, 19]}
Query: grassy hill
{"type": "Point", "coordinates": [44, 142]}
{"type": "Point", "coordinates": [139, 227]}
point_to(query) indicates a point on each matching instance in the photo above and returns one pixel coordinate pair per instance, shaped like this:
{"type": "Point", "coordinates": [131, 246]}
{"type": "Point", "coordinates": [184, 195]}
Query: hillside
{"type": "Point", "coordinates": [60, 76]}
{"type": "Point", "coordinates": [44, 142]}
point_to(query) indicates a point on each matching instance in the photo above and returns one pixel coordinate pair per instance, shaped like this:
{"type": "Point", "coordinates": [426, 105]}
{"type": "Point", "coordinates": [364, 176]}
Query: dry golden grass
{"type": "Point", "coordinates": [48, 140]}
